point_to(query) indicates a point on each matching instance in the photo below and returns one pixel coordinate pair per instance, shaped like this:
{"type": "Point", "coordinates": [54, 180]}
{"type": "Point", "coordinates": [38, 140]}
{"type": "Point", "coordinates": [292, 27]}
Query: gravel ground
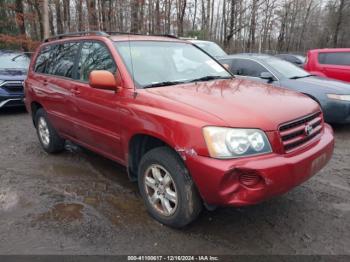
{"type": "Point", "coordinates": [80, 203]}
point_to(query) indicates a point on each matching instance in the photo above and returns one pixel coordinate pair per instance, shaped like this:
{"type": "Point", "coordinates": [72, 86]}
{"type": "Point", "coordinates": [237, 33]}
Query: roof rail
{"type": "Point", "coordinates": [126, 33]}
{"type": "Point", "coordinates": [101, 33]}
{"type": "Point", "coordinates": [60, 36]}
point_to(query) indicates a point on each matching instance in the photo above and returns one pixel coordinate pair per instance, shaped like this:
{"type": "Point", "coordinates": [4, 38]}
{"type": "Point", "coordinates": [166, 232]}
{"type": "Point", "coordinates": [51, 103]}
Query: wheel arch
{"type": "Point", "coordinates": [34, 107]}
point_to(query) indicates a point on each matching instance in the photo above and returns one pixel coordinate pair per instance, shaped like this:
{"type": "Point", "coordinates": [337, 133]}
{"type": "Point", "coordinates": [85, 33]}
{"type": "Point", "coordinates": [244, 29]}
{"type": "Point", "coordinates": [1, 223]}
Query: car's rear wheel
{"type": "Point", "coordinates": [48, 136]}
{"type": "Point", "coordinates": [167, 189]}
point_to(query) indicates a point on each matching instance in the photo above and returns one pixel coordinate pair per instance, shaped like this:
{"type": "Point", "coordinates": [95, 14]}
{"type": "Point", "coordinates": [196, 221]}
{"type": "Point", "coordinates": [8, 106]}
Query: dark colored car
{"type": "Point", "coordinates": [297, 60]}
{"type": "Point", "coordinates": [13, 71]}
{"type": "Point", "coordinates": [211, 48]}
{"type": "Point", "coordinates": [333, 96]}
{"type": "Point", "coordinates": [187, 131]}
{"type": "Point", "coordinates": [332, 63]}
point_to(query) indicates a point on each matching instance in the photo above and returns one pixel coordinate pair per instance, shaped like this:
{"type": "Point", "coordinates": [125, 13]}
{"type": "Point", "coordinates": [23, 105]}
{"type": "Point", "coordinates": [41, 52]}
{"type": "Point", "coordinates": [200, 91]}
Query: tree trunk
{"type": "Point", "coordinates": [339, 22]}
{"type": "Point", "coordinates": [59, 24]}
{"type": "Point", "coordinates": [21, 24]}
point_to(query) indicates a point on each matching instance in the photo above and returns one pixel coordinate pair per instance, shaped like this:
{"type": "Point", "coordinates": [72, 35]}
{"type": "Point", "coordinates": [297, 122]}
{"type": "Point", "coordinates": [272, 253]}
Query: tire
{"type": "Point", "coordinates": [172, 211]}
{"type": "Point", "coordinates": [48, 136]}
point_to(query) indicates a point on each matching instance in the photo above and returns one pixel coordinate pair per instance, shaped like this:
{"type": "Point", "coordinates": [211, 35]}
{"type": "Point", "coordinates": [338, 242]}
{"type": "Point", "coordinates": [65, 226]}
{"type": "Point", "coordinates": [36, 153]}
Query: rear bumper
{"type": "Point", "coordinates": [219, 181]}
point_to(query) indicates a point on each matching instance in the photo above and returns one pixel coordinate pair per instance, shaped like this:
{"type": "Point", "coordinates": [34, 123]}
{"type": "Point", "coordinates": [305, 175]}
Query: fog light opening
{"type": "Point", "coordinates": [250, 179]}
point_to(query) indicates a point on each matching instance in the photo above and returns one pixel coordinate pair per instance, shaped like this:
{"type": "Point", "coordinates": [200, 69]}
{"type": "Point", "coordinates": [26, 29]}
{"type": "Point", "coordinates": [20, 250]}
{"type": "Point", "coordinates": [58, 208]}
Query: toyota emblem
{"type": "Point", "coordinates": [308, 130]}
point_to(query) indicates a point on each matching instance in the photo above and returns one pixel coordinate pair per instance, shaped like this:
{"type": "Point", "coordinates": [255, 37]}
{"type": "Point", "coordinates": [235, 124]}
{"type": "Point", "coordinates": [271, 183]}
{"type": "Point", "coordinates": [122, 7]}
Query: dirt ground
{"type": "Point", "coordinates": [80, 203]}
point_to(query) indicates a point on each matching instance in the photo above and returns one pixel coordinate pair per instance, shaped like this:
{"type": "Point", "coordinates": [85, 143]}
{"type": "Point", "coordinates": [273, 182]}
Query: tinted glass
{"type": "Point", "coordinates": [247, 67]}
{"type": "Point", "coordinates": [14, 61]}
{"type": "Point", "coordinates": [152, 62]}
{"type": "Point", "coordinates": [340, 58]}
{"type": "Point", "coordinates": [286, 69]}
{"type": "Point", "coordinates": [62, 59]}
{"type": "Point", "coordinates": [94, 56]}
{"type": "Point", "coordinates": [42, 61]}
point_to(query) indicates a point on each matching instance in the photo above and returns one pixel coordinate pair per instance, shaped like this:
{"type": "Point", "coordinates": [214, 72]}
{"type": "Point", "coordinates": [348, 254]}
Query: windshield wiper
{"type": "Point", "coordinates": [165, 83]}
{"type": "Point", "coordinates": [208, 78]}
{"type": "Point", "coordinates": [298, 77]}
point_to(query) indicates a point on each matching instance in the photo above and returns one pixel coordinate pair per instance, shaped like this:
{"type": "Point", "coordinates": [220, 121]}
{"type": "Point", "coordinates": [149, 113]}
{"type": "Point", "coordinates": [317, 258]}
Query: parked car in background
{"type": "Point", "coordinates": [13, 71]}
{"type": "Point", "coordinates": [332, 63]}
{"type": "Point", "coordinates": [332, 95]}
{"type": "Point", "coordinates": [297, 60]}
{"type": "Point", "coordinates": [187, 131]}
{"type": "Point", "coordinates": [211, 48]}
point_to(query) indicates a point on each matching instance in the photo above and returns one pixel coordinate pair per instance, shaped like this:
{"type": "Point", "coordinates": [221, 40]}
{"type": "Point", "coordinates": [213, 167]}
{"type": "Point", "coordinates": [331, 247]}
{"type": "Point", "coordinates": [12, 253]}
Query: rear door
{"type": "Point", "coordinates": [335, 65]}
{"type": "Point", "coordinates": [96, 111]}
{"type": "Point", "coordinates": [53, 83]}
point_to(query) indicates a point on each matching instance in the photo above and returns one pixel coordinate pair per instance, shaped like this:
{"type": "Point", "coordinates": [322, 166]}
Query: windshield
{"type": "Point", "coordinates": [14, 61]}
{"type": "Point", "coordinates": [286, 69]}
{"type": "Point", "coordinates": [154, 63]}
{"type": "Point", "coordinates": [211, 48]}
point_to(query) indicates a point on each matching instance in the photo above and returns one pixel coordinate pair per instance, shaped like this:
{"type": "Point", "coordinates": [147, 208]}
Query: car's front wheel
{"type": "Point", "coordinates": [48, 136]}
{"type": "Point", "coordinates": [167, 189]}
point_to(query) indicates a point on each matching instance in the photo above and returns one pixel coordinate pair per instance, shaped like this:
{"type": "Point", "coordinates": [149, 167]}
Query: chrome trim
{"type": "Point", "coordinates": [9, 100]}
{"type": "Point", "coordinates": [12, 82]}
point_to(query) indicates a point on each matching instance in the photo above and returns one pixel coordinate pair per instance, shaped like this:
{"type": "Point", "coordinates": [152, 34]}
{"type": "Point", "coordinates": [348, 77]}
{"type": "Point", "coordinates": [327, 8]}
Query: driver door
{"type": "Point", "coordinates": [98, 111]}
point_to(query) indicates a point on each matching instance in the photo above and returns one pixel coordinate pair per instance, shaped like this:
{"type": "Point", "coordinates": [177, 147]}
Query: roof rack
{"type": "Point", "coordinates": [56, 37]}
{"type": "Point", "coordinates": [101, 33]}
{"type": "Point", "coordinates": [126, 33]}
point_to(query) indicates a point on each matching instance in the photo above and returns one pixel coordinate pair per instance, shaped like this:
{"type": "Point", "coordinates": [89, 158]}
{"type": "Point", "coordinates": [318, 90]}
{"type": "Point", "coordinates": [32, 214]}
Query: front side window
{"type": "Point", "coordinates": [156, 62]}
{"type": "Point", "coordinates": [339, 58]}
{"type": "Point", "coordinates": [247, 67]}
{"type": "Point", "coordinates": [94, 56]}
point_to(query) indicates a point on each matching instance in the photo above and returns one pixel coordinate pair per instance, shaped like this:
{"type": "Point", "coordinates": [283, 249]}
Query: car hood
{"type": "Point", "coordinates": [241, 103]}
{"type": "Point", "coordinates": [13, 74]}
{"type": "Point", "coordinates": [323, 84]}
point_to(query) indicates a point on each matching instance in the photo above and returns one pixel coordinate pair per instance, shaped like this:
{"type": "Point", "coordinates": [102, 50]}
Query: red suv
{"type": "Point", "coordinates": [332, 63]}
{"type": "Point", "coordinates": [188, 132]}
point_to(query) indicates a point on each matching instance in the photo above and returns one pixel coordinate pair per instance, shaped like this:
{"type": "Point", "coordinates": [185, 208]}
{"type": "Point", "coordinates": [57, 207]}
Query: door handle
{"type": "Point", "coordinates": [75, 91]}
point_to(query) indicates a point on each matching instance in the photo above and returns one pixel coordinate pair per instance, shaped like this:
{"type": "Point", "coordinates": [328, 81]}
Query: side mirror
{"type": "Point", "coordinates": [267, 76]}
{"type": "Point", "coordinates": [102, 79]}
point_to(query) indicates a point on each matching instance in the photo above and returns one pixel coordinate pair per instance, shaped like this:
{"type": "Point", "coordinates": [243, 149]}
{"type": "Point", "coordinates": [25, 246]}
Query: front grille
{"type": "Point", "coordinates": [13, 86]}
{"type": "Point", "coordinates": [298, 132]}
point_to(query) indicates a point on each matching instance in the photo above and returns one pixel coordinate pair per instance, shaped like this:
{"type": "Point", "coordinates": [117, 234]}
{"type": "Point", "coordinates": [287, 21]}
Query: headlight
{"type": "Point", "coordinates": [339, 97]}
{"type": "Point", "coordinates": [225, 142]}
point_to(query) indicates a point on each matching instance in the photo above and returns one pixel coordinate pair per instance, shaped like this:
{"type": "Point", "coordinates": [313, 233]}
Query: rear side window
{"type": "Point", "coordinates": [57, 59]}
{"type": "Point", "coordinates": [339, 58]}
{"type": "Point", "coordinates": [42, 61]}
{"type": "Point", "coordinates": [246, 67]}
{"type": "Point", "coordinates": [94, 56]}
{"type": "Point", "coordinates": [62, 59]}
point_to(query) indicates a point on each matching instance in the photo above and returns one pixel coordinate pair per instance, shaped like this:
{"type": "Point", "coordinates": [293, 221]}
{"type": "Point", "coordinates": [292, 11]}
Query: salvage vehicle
{"type": "Point", "coordinates": [331, 62]}
{"type": "Point", "coordinates": [333, 96]}
{"type": "Point", "coordinates": [297, 60]}
{"type": "Point", "coordinates": [13, 71]}
{"type": "Point", "coordinates": [188, 132]}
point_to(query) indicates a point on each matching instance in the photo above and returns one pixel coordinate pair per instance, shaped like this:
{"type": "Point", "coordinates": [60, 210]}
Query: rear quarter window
{"type": "Point", "coordinates": [339, 58]}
